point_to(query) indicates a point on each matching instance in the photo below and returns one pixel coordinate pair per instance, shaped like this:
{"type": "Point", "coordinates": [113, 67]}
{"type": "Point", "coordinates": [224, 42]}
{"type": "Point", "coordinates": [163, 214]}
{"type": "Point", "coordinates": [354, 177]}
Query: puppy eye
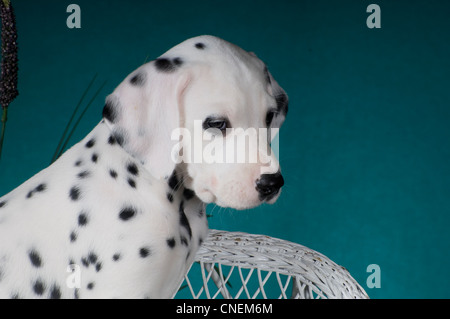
{"type": "Point", "coordinates": [269, 117]}
{"type": "Point", "coordinates": [217, 123]}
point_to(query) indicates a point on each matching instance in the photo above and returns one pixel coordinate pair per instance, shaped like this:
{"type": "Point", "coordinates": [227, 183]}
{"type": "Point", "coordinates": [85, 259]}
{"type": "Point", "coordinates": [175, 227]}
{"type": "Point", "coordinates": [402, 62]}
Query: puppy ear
{"type": "Point", "coordinates": [143, 111]}
{"type": "Point", "coordinates": [281, 99]}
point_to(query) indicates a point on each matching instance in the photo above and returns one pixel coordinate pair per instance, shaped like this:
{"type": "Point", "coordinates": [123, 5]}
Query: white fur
{"type": "Point", "coordinates": [219, 79]}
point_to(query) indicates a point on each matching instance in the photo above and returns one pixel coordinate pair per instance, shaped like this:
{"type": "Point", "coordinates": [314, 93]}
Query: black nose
{"type": "Point", "coordinates": [269, 185]}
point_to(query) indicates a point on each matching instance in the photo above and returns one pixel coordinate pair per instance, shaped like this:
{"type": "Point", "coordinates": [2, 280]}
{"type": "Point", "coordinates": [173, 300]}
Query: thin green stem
{"type": "Point", "coordinates": [61, 141]}
{"type": "Point", "coordinates": [61, 151]}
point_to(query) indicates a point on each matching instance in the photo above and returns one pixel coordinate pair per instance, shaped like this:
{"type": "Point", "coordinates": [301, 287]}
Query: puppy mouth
{"type": "Point", "coordinates": [234, 197]}
{"type": "Point", "coordinates": [206, 195]}
{"type": "Point", "coordinates": [272, 198]}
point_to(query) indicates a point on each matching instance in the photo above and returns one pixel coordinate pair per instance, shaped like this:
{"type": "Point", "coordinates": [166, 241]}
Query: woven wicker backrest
{"type": "Point", "coordinates": [239, 265]}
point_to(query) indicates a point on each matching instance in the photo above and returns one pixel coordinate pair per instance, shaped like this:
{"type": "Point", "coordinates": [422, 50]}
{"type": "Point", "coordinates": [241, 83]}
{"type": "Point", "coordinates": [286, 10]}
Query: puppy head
{"type": "Point", "coordinates": [211, 109]}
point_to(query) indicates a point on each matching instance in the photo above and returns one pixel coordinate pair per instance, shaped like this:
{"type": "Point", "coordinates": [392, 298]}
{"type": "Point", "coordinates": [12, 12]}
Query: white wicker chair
{"type": "Point", "coordinates": [239, 265]}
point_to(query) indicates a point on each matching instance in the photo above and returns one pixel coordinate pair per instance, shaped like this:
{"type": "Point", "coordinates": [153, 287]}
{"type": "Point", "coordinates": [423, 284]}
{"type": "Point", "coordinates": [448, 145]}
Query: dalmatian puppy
{"type": "Point", "coordinates": [116, 216]}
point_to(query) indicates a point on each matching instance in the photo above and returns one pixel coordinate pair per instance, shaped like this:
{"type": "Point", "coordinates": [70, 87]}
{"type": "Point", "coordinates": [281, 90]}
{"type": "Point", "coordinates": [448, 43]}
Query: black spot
{"type": "Point", "coordinates": [188, 194]}
{"type": "Point", "coordinates": [37, 189]}
{"type": "Point", "coordinates": [78, 163]}
{"type": "Point", "coordinates": [74, 193]}
{"type": "Point", "coordinates": [35, 258]}
{"type": "Point", "coordinates": [98, 267]}
{"type": "Point", "coordinates": [73, 237]}
{"type": "Point", "coordinates": [173, 181]}
{"type": "Point", "coordinates": [177, 61]}
{"type": "Point", "coordinates": [39, 287]}
{"type": "Point", "coordinates": [3, 203]}
{"type": "Point", "coordinates": [144, 252]}
{"type": "Point", "coordinates": [15, 296]}
{"type": "Point", "coordinates": [90, 143]}
{"type": "Point", "coordinates": [119, 138]}
{"type": "Point", "coordinates": [90, 285]}
{"type": "Point", "coordinates": [165, 65]}
{"type": "Point", "coordinates": [76, 294]}
{"type": "Point", "coordinates": [184, 221]}
{"type": "Point", "coordinates": [282, 103]}
{"type": "Point", "coordinates": [184, 241]}
{"type": "Point", "coordinates": [84, 174]}
{"type": "Point", "coordinates": [94, 158]}
{"type": "Point", "coordinates": [92, 258]}
{"type": "Point", "coordinates": [113, 173]}
{"type": "Point", "coordinates": [127, 213]}
{"type": "Point", "coordinates": [131, 182]}
{"type": "Point", "coordinates": [109, 111]}
{"type": "Point", "coordinates": [82, 219]}
{"type": "Point", "coordinates": [85, 262]}
{"type": "Point", "coordinates": [112, 140]}
{"type": "Point", "coordinates": [138, 79]}
{"type": "Point", "coordinates": [132, 169]}
{"type": "Point", "coordinates": [171, 242]}
{"type": "Point", "coordinates": [200, 45]}
{"type": "Point", "coordinates": [116, 257]}
{"type": "Point", "coordinates": [40, 188]}
{"type": "Point", "coordinates": [55, 292]}
{"type": "Point", "coordinates": [170, 197]}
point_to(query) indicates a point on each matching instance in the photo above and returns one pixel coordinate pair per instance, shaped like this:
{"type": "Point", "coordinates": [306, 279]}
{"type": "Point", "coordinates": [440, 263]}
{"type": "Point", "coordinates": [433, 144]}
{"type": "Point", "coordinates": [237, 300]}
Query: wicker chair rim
{"type": "Point", "coordinates": [271, 254]}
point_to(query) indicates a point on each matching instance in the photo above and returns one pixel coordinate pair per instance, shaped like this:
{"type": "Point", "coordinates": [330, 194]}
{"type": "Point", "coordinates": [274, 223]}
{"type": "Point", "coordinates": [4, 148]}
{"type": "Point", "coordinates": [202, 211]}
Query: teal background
{"type": "Point", "coordinates": [365, 148]}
